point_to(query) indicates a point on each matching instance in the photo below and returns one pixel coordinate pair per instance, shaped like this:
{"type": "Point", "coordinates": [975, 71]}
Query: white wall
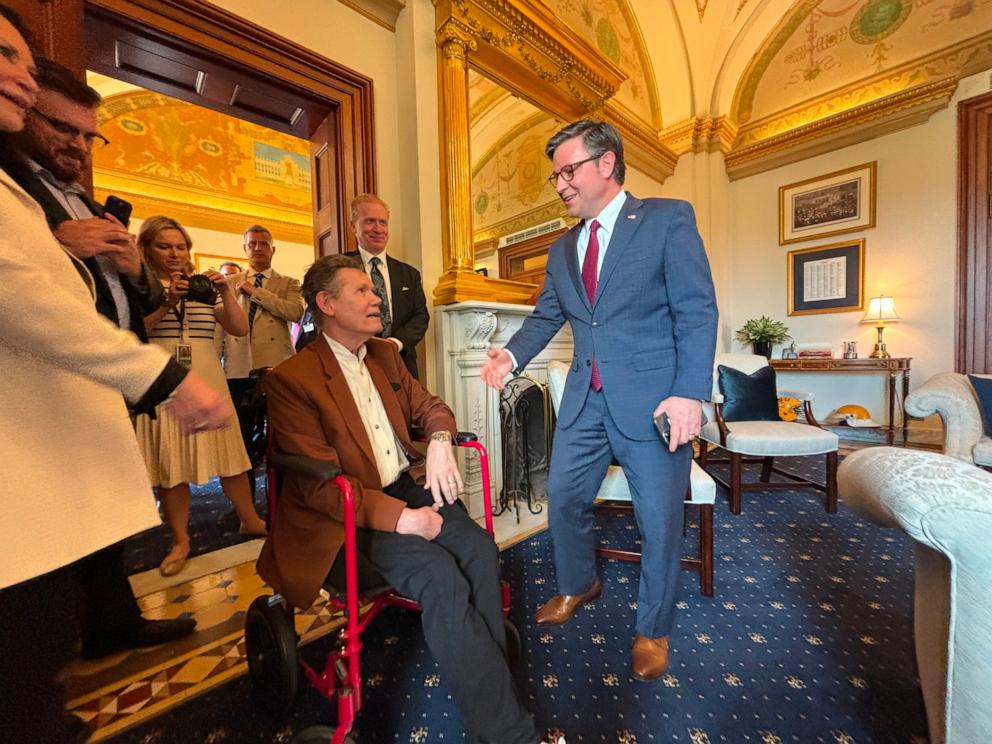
{"type": "Point", "coordinates": [910, 254]}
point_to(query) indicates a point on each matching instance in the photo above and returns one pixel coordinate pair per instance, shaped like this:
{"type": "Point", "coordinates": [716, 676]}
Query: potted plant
{"type": "Point", "coordinates": [762, 333]}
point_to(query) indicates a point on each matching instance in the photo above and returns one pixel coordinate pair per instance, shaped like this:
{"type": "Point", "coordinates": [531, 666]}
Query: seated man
{"type": "Point", "coordinates": [348, 398]}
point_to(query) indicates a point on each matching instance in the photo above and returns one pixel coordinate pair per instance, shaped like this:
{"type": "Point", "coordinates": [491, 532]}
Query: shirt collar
{"type": "Point", "coordinates": [47, 176]}
{"type": "Point", "coordinates": [366, 256]}
{"type": "Point", "coordinates": [251, 273]}
{"type": "Point", "coordinates": [343, 355]}
{"type": "Point", "coordinates": [607, 218]}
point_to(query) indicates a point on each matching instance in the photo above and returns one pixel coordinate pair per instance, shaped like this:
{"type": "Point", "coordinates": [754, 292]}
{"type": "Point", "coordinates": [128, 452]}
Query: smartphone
{"type": "Point", "coordinates": [664, 427]}
{"type": "Point", "coordinates": [118, 208]}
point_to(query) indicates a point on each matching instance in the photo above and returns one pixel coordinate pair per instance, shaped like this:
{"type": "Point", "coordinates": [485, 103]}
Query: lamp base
{"type": "Point", "coordinates": [880, 353]}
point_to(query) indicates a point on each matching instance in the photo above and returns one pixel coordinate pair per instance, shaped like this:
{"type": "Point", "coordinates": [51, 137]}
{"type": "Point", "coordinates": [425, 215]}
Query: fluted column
{"type": "Point", "coordinates": [456, 166]}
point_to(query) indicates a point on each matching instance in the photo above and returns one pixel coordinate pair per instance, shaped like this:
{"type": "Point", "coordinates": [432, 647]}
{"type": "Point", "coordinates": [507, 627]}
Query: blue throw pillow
{"type": "Point", "coordinates": [983, 388]}
{"type": "Point", "coordinates": [748, 397]}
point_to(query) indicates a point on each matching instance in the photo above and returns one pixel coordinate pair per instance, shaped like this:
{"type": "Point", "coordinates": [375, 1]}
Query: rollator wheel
{"type": "Point", "coordinates": [321, 735]}
{"type": "Point", "coordinates": [514, 646]}
{"type": "Point", "coordinates": [271, 648]}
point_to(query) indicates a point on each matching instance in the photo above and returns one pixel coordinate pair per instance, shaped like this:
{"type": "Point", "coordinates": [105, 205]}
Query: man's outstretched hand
{"type": "Point", "coordinates": [497, 367]}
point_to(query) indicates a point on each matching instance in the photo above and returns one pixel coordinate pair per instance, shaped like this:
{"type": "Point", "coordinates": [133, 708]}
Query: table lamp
{"type": "Point", "coordinates": [881, 310]}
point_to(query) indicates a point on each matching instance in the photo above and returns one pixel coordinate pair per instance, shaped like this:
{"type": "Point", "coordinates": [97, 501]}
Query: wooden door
{"type": "Point", "coordinates": [57, 30]}
{"type": "Point", "coordinates": [326, 191]}
{"type": "Point", "coordinates": [974, 303]}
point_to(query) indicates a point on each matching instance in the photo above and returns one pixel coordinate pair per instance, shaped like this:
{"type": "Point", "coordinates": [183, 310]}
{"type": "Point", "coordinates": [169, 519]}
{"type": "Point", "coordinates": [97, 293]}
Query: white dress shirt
{"type": "Point", "coordinates": [390, 459]}
{"type": "Point", "coordinates": [69, 196]}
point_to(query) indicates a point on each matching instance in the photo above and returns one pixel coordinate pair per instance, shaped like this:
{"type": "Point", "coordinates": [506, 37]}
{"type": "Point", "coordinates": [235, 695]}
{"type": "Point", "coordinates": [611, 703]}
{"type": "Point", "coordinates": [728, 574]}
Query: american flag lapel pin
{"type": "Point", "coordinates": [631, 216]}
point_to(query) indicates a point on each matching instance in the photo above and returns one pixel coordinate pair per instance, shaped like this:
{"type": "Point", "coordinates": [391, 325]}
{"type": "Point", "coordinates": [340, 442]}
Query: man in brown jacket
{"type": "Point", "coordinates": [348, 398]}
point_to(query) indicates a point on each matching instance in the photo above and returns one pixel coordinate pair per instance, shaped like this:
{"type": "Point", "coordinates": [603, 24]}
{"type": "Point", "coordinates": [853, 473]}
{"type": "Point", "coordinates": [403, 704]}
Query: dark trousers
{"type": "Point", "coordinates": [455, 579]}
{"type": "Point", "coordinates": [39, 625]}
{"type": "Point", "coordinates": [109, 606]}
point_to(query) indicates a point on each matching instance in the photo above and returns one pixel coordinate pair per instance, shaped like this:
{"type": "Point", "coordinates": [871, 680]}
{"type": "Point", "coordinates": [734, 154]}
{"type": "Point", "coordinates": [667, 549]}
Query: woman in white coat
{"type": "Point", "coordinates": [74, 479]}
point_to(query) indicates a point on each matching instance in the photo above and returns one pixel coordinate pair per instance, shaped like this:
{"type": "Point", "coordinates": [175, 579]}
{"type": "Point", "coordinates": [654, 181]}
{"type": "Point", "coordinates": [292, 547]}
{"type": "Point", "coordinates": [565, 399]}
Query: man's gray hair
{"type": "Point", "coordinates": [257, 229]}
{"type": "Point", "coordinates": [365, 199]}
{"type": "Point", "coordinates": [598, 137]}
{"type": "Point", "coordinates": [322, 276]}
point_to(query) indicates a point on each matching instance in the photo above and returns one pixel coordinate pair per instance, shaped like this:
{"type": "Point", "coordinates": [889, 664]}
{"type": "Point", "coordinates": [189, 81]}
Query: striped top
{"type": "Point", "coordinates": [199, 322]}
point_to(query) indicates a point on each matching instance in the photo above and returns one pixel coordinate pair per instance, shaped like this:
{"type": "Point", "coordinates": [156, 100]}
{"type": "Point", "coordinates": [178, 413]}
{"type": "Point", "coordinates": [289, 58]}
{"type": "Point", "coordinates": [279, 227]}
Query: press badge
{"type": "Point", "coordinates": [184, 355]}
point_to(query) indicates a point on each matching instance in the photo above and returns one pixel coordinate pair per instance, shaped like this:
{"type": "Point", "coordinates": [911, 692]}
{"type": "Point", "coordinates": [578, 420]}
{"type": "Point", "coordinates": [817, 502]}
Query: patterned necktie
{"type": "Point", "coordinates": [379, 287]}
{"type": "Point", "coordinates": [252, 305]}
{"type": "Point", "coordinates": [590, 279]}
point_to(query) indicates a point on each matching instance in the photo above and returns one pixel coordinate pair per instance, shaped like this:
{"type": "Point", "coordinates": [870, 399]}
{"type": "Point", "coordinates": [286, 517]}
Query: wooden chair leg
{"type": "Point", "coordinates": [831, 500]}
{"type": "Point", "coordinates": [735, 482]}
{"type": "Point", "coordinates": [706, 550]}
{"type": "Point", "coordinates": [766, 468]}
{"type": "Point", "coordinates": [703, 451]}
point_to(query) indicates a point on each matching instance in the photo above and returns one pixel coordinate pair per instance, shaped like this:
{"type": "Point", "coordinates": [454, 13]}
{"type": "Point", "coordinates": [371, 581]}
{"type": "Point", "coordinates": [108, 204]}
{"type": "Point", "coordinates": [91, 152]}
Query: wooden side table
{"type": "Point", "coordinates": [892, 368]}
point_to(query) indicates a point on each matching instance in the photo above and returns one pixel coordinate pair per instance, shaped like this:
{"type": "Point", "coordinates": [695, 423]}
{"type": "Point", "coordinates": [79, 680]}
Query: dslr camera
{"type": "Point", "coordinates": [201, 289]}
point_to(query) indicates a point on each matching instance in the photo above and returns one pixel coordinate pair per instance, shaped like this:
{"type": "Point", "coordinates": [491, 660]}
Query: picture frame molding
{"type": "Point", "coordinates": [793, 289]}
{"type": "Point", "coordinates": [787, 237]}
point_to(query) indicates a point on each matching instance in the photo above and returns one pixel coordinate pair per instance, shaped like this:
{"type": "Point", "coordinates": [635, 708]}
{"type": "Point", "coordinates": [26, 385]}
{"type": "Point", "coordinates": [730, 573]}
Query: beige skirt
{"type": "Point", "coordinates": [173, 457]}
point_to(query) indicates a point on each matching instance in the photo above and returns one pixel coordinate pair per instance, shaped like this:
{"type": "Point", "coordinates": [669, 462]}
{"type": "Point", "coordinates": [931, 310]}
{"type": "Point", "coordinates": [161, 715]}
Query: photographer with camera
{"type": "Point", "coordinates": [184, 326]}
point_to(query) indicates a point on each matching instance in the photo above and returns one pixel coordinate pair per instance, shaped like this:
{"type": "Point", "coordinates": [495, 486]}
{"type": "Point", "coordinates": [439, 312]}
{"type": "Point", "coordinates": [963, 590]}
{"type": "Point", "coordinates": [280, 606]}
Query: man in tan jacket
{"type": "Point", "coordinates": [348, 398]}
{"type": "Point", "coordinates": [272, 302]}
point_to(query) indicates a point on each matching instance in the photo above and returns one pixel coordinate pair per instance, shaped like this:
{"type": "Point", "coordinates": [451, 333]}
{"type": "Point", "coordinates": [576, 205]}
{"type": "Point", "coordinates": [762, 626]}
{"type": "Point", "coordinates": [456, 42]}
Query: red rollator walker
{"type": "Point", "coordinates": [271, 642]}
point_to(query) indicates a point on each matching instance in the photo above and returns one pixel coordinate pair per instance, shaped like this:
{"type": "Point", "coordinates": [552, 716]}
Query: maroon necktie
{"type": "Point", "coordinates": [590, 280]}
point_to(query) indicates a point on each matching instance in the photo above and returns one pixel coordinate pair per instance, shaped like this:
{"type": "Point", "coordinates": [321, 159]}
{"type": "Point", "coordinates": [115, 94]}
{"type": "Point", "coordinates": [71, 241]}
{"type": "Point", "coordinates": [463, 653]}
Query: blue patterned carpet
{"type": "Point", "coordinates": [808, 639]}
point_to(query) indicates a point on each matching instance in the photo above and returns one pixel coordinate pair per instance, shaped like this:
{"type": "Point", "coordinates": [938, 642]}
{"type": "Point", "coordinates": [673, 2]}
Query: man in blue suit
{"type": "Point", "coordinates": [633, 281]}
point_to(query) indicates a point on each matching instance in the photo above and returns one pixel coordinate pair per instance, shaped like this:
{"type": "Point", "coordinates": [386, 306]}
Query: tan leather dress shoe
{"type": "Point", "coordinates": [649, 659]}
{"type": "Point", "coordinates": [560, 608]}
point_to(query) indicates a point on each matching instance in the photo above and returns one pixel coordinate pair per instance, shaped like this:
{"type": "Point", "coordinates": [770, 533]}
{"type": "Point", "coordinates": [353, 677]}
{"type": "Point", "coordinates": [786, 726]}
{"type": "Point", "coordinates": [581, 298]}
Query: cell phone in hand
{"type": "Point", "coordinates": [118, 208]}
{"type": "Point", "coordinates": [664, 427]}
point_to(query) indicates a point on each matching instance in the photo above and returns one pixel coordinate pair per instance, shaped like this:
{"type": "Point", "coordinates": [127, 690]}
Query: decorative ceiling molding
{"type": "Point", "coordinates": [508, 136]}
{"type": "Point", "coordinates": [700, 134]}
{"type": "Point", "coordinates": [383, 12]}
{"type": "Point", "coordinates": [642, 147]}
{"type": "Point", "coordinates": [523, 46]}
{"type": "Point", "coordinates": [883, 116]}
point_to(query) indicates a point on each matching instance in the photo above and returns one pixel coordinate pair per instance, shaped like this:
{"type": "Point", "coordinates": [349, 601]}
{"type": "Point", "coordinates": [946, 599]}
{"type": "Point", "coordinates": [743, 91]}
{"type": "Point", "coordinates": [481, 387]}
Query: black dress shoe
{"type": "Point", "coordinates": [146, 633]}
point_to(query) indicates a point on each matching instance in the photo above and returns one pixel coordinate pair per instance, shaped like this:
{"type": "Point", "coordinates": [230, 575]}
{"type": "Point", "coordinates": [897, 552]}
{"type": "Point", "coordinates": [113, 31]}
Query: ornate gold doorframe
{"type": "Point", "coordinates": [522, 45]}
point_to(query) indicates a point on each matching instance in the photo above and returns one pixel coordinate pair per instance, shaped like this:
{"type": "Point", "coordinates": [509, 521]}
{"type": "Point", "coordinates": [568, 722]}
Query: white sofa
{"type": "Point", "coordinates": [945, 505]}
{"type": "Point", "coordinates": [951, 395]}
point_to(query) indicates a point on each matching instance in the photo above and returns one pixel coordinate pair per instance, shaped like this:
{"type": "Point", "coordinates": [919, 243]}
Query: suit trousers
{"type": "Point", "coordinates": [455, 579]}
{"type": "Point", "coordinates": [110, 609]}
{"type": "Point", "coordinates": [40, 624]}
{"type": "Point", "coordinates": [658, 480]}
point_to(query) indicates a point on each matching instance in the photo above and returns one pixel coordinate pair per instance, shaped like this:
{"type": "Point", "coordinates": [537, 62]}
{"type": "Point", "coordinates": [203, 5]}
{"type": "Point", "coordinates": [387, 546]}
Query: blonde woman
{"type": "Point", "coordinates": [185, 328]}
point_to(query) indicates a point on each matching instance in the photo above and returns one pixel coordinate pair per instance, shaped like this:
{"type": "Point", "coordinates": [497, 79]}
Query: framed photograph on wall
{"type": "Point", "coordinates": [839, 202]}
{"type": "Point", "coordinates": [827, 279]}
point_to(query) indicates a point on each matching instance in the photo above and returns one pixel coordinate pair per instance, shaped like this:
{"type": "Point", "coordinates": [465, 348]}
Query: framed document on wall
{"type": "Point", "coordinates": [827, 279]}
{"type": "Point", "coordinates": [839, 202]}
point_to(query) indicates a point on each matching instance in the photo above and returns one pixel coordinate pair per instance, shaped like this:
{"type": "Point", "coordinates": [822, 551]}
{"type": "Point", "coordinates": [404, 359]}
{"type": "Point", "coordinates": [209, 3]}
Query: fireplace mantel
{"type": "Point", "coordinates": [466, 331]}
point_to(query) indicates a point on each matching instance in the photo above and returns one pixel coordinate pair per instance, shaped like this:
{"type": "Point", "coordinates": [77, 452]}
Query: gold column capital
{"type": "Point", "coordinates": [455, 39]}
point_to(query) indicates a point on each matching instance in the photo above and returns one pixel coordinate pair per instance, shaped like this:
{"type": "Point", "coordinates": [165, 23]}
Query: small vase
{"type": "Point", "coordinates": [762, 348]}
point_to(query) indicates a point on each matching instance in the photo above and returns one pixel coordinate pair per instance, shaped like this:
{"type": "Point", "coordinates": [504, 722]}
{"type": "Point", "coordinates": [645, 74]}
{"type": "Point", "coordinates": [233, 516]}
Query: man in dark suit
{"type": "Point", "coordinates": [633, 282]}
{"type": "Point", "coordinates": [404, 307]}
{"type": "Point", "coordinates": [56, 144]}
{"type": "Point", "coordinates": [348, 398]}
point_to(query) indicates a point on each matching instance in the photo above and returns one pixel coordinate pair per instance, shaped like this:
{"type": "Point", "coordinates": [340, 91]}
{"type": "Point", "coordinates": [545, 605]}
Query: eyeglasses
{"type": "Point", "coordinates": [568, 171]}
{"type": "Point", "coordinates": [94, 140]}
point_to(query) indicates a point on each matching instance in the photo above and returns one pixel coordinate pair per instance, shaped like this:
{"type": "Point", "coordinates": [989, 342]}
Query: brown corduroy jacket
{"type": "Point", "coordinates": [313, 413]}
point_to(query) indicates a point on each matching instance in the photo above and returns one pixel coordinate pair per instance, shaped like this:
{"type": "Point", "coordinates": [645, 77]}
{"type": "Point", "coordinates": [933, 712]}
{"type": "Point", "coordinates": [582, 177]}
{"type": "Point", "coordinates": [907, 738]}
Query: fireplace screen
{"type": "Point", "coordinates": [526, 427]}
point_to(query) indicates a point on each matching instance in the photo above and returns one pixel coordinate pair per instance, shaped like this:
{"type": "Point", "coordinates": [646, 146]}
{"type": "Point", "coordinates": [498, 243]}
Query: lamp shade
{"type": "Point", "coordinates": [881, 310]}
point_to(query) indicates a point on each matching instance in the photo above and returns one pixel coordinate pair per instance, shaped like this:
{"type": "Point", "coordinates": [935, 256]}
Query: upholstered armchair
{"type": "Point", "coordinates": [765, 441]}
{"type": "Point", "coordinates": [945, 505]}
{"type": "Point", "coordinates": [951, 395]}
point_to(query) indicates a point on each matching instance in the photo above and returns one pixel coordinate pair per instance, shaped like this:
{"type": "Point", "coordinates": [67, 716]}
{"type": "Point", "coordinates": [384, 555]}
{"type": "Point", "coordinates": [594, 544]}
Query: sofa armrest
{"type": "Point", "coordinates": [950, 395]}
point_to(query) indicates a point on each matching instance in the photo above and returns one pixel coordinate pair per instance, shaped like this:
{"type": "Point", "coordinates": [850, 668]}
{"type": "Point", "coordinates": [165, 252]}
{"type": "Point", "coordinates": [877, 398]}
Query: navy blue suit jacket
{"type": "Point", "coordinates": [652, 327]}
